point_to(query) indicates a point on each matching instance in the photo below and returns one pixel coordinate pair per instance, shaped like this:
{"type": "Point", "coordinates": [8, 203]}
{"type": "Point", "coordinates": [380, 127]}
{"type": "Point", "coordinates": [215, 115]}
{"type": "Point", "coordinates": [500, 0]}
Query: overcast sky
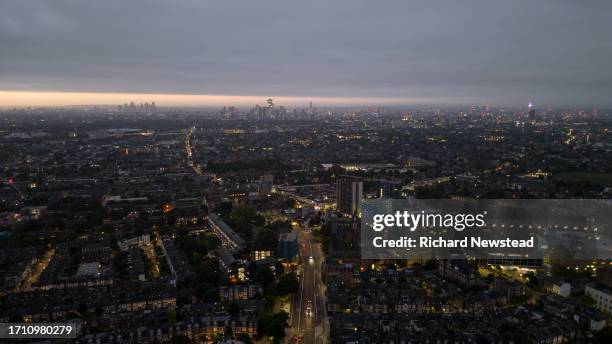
{"type": "Point", "coordinates": [556, 52]}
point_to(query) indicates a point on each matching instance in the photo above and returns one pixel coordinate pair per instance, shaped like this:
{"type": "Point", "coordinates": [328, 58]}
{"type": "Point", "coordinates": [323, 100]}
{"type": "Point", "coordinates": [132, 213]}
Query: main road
{"type": "Point", "coordinates": [308, 315]}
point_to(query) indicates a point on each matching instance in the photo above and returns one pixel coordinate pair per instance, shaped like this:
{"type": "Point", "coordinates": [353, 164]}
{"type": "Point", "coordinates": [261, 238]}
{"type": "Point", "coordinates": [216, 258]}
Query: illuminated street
{"type": "Point", "coordinates": [308, 315]}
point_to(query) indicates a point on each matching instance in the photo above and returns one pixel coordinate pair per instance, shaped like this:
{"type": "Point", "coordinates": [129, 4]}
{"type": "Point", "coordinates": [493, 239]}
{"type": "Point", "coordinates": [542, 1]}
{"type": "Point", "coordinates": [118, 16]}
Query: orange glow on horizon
{"type": "Point", "coordinates": [10, 99]}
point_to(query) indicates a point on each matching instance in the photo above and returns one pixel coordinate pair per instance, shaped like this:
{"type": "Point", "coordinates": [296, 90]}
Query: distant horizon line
{"type": "Point", "coordinates": [62, 99]}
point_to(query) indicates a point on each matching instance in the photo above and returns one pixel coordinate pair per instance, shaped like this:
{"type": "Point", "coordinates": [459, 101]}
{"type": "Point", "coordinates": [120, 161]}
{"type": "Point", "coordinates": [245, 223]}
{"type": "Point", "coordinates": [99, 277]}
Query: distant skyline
{"type": "Point", "coordinates": [59, 99]}
{"type": "Point", "coordinates": [339, 53]}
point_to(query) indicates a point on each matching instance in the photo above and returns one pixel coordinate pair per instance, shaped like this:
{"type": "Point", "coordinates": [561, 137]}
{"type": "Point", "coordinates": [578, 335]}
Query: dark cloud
{"type": "Point", "coordinates": [550, 52]}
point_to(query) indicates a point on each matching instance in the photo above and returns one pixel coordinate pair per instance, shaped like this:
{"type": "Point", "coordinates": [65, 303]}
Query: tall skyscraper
{"type": "Point", "coordinates": [531, 111]}
{"type": "Point", "coordinates": [349, 192]}
{"type": "Point", "coordinates": [269, 112]}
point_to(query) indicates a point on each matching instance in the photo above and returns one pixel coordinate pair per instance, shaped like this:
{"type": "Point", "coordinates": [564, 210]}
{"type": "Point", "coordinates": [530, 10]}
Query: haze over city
{"type": "Point", "coordinates": [57, 53]}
